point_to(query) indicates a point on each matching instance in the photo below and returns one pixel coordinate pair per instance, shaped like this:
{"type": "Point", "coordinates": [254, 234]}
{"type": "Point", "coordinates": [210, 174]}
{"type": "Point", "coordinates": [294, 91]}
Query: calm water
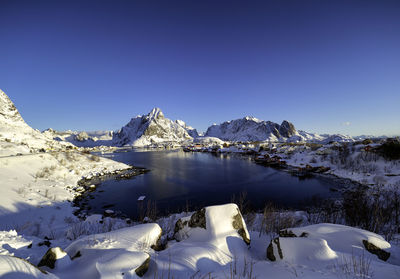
{"type": "Point", "coordinates": [178, 179]}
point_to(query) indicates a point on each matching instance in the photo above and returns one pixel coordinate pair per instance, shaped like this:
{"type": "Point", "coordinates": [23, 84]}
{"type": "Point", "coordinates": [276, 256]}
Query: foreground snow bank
{"type": "Point", "coordinates": [16, 268]}
{"type": "Point", "coordinates": [123, 253]}
{"type": "Point", "coordinates": [212, 242]}
{"type": "Point", "coordinates": [325, 242]}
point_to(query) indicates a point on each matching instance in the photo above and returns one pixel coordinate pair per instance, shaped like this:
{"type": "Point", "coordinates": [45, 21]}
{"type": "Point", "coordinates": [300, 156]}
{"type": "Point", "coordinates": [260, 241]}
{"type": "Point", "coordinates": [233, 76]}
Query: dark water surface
{"type": "Point", "coordinates": [178, 179]}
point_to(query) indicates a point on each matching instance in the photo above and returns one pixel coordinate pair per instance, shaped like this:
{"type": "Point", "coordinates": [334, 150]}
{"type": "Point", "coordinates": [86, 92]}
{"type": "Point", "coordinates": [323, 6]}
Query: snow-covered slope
{"type": "Point", "coordinates": [191, 131]}
{"type": "Point", "coordinates": [251, 129]}
{"type": "Point", "coordinates": [16, 137]}
{"type": "Point", "coordinates": [150, 129]}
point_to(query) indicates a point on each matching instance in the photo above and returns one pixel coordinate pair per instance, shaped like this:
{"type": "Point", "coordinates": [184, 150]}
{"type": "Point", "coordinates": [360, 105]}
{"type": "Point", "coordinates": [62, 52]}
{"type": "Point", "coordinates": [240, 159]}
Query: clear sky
{"type": "Point", "coordinates": [326, 66]}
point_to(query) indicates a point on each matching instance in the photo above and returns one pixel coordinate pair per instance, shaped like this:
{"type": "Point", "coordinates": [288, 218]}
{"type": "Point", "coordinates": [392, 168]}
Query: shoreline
{"type": "Point", "coordinates": [89, 185]}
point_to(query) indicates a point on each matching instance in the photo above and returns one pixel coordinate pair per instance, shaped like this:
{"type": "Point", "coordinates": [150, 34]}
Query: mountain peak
{"type": "Point", "coordinates": [8, 109]}
{"type": "Point", "coordinates": [251, 118]}
{"type": "Point", "coordinates": [155, 113]}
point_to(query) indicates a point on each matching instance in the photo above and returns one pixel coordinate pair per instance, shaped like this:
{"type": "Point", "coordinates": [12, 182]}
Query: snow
{"type": "Point", "coordinates": [343, 238]}
{"type": "Point", "coordinates": [16, 268]}
{"type": "Point", "coordinates": [209, 140]}
{"type": "Point", "coordinates": [108, 255]}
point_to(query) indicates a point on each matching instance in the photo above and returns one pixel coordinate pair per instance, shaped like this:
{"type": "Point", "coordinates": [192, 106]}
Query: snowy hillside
{"type": "Point", "coordinates": [151, 129]}
{"type": "Point", "coordinates": [251, 129]}
{"type": "Point", "coordinates": [16, 137]}
{"type": "Point", "coordinates": [191, 131]}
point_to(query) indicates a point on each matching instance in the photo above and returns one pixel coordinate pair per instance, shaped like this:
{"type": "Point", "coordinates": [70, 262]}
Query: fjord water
{"type": "Point", "coordinates": [179, 179]}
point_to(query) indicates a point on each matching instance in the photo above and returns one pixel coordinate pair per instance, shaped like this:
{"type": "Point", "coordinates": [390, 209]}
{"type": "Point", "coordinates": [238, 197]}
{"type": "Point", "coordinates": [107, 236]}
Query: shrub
{"type": "Point", "coordinates": [390, 149]}
{"type": "Point", "coordinates": [94, 158]}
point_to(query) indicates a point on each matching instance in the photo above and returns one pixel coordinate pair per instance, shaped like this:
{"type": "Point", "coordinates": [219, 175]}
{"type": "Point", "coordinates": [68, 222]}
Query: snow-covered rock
{"type": "Point", "coordinates": [213, 222]}
{"type": "Point", "coordinates": [325, 242]}
{"type": "Point", "coordinates": [113, 254]}
{"type": "Point", "coordinates": [251, 129]}
{"type": "Point", "coordinates": [55, 257]}
{"type": "Point", "coordinates": [208, 240]}
{"type": "Point", "coordinates": [150, 129]}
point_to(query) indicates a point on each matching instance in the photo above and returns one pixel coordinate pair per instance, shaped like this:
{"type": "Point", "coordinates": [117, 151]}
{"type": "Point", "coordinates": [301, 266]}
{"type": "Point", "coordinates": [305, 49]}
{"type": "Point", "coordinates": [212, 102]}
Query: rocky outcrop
{"type": "Point", "coordinates": [287, 129]}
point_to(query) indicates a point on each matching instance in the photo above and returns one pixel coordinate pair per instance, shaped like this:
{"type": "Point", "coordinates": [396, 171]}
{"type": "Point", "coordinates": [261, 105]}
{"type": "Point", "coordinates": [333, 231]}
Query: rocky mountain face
{"type": "Point", "coordinates": [191, 131]}
{"type": "Point", "coordinates": [251, 129]}
{"type": "Point", "coordinates": [9, 114]}
{"type": "Point", "coordinates": [150, 129]}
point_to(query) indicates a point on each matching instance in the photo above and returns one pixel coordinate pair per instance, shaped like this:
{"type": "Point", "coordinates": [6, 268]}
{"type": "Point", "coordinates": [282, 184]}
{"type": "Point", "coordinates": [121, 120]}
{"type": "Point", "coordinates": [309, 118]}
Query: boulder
{"type": "Point", "coordinates": [55, 256]}
{"type": "Point", "coordinates": [213, 221]}
{"type": "Point", "coordinates": [324, 242]}
{"type": "Point", "coordinates": [382, 254]}
{"type": "Point", "coordinates": [206, 240]}
{"type": "Point", "coordinates": [125, 251]}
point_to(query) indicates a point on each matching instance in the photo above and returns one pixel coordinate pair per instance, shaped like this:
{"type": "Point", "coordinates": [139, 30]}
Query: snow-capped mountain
{"type": "Point", "coordinates": [150, 129]}
{"type": "Point", "coordinates": [251, 129]}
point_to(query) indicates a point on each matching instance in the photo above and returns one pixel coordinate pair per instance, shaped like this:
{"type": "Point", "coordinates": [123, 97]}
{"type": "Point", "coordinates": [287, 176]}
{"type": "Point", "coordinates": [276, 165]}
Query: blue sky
{"type": "Point", "coordinates": [326, 66]}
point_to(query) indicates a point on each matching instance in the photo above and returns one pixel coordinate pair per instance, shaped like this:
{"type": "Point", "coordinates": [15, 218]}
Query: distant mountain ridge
{"type": "Point", "coordinates": [154, 128]}
{"type": "Point", "coordinates": [251, 129]}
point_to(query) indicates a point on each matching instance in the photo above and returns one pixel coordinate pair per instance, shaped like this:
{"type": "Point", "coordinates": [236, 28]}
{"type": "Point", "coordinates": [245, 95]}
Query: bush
{"type": "Point", "coordinates": [390, 149]}
{"type": "Point", "coordinates": [45, 172]}
{"type": "Point", "coordinates": [94, 158]}
{"type": "Point", "coordinates": [375, 209]}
